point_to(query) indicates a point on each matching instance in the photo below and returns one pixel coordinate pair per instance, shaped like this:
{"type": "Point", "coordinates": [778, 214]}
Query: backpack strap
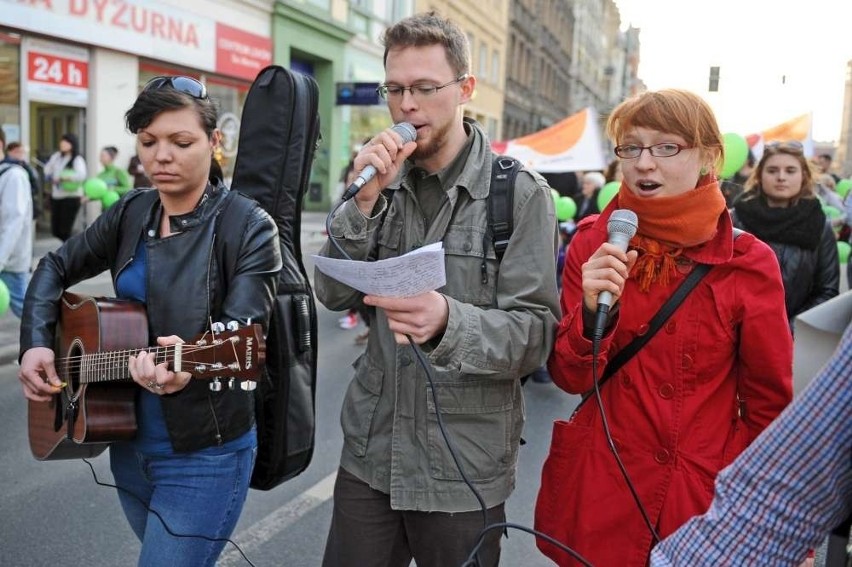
{"type": "Point", "coordinates": [501, 204]}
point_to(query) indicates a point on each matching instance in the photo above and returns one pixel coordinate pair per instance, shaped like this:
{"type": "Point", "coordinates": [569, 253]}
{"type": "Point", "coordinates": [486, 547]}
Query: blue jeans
{"type": "Point", "coordinates": [195, 494]}
{"type": "Point", "coordinates": [17, 284]}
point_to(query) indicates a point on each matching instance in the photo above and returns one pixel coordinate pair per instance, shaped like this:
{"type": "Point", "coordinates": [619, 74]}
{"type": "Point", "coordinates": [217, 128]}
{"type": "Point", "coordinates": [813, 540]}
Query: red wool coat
{"type": "Point", "coordinates": [672, 409]}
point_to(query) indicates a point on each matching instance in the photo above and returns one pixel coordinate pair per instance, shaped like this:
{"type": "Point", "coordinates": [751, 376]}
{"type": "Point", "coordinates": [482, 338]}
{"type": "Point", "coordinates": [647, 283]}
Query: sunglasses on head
{"type": "Point", "coordinates": [187, 85]}
{"type": "Point", "coordinates": [790, 146]}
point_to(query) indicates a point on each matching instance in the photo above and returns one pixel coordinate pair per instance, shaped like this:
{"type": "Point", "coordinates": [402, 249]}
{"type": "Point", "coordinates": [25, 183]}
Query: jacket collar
{"type": "Point", "coordinates": [475, 176]}
{"type": "Point", "coordinates": [206, 206]}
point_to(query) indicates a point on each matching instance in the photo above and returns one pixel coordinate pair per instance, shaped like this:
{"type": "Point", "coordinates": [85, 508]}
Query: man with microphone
{"type": "Point", "coordinates": [401, 494]}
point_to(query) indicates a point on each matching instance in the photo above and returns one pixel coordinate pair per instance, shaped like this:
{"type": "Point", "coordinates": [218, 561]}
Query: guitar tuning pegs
{"type": "Point", "coordinates": [217, 327]}
{"type": "Point", "coordinates": [215, 385]}
{"type": "Point", "coordinates": [233, 325]}
{"type": "Point", "coordinates": [248, 385]}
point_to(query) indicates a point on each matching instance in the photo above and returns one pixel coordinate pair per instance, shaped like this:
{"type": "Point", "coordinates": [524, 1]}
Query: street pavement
{"type": "Point", "coordinates": [313, 235]}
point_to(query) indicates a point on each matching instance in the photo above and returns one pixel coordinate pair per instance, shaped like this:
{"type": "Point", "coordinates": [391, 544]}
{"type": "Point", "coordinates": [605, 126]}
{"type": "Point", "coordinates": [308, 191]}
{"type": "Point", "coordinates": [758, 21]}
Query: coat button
{"type": "Point", "coordinates": [687, 361]}
{"type": "Point", "coordinates": [626, 381]}
{"type": "Point", "coordinates": [662, 456]}
{"type": "Point", "coordinates": [666, 391]}
{"type": "Point", "coordinates": [642, 329]}
{"type": "Point", "coordinates": [671, 327]}
{"type": "Point", "coordinates": [404, 360]}
{"type": "Point", "coordinates": [468, 246]}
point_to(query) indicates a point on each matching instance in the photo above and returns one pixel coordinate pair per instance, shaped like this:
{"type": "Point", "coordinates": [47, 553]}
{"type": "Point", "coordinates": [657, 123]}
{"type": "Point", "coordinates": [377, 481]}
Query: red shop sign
{"type": "Point", "coordinates": [55, 70]}
{"type": "Point", "coordinates": [240, 53]}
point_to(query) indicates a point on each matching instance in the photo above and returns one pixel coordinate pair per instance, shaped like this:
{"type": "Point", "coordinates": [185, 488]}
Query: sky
{"type": "Point", "coordinates": [777, 59]}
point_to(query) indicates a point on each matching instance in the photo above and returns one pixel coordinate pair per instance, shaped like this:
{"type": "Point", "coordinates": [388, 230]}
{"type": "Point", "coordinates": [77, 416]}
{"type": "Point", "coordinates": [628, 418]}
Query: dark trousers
{"type": "Point", "coordinates": [366, 532]}
{"type": "Point", "coordinates": [63, 212]}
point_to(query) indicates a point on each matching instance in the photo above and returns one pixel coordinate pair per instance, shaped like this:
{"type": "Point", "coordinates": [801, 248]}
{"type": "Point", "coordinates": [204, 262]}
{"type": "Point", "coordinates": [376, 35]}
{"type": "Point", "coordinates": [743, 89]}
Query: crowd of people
{"type": "Point", "coordinates": [683, 404]}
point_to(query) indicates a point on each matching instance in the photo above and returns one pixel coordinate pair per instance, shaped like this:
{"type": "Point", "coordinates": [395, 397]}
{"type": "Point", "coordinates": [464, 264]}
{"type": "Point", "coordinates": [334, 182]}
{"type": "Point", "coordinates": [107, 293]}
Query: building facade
{"type": "Point", "coordinates": [77, 66]}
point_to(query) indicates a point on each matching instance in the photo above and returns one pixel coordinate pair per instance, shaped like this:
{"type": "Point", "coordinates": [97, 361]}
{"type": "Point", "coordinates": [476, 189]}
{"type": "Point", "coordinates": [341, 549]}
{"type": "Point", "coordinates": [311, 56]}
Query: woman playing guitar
{"type": "Point", "coordinates": [190, 455]}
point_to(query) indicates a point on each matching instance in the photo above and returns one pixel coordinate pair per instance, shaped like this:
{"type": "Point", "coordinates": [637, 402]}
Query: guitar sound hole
{"type": "Point", "coordinates": [72, 367]}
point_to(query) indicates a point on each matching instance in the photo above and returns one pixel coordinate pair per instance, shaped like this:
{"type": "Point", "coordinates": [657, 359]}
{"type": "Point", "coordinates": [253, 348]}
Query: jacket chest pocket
{"type": "Point", "coordinates": [390, 237]}
{"type": "Point", "coordinates": [467, 279]}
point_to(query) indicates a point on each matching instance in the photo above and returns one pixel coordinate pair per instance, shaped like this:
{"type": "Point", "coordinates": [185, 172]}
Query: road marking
{"type": "Point", "coordinates": [253, 537]}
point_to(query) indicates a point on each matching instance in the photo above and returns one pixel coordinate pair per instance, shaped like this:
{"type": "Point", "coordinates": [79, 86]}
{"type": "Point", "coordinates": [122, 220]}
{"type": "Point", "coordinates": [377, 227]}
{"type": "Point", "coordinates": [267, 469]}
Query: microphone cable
{"type": "Point", "coordinates": [472, 559]}
{"type": "Point", "coordinates": [162, 520]}
{"type": "Point", "coordinates": [596, 346]}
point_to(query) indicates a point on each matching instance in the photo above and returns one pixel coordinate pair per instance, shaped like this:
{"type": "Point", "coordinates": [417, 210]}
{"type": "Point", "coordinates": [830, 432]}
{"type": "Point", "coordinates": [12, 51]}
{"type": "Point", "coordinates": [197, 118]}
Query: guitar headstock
{"type": "Point", "coordinates": [235, 353]}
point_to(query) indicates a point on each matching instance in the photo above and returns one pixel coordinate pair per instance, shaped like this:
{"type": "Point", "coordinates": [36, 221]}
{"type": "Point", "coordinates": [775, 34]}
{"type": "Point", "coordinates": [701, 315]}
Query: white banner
{"type": "Point", "coordinates": [573, 144]}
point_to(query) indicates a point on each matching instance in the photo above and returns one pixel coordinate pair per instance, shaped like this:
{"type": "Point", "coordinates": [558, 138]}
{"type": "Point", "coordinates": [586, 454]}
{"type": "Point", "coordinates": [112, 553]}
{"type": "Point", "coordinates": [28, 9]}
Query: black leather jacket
{"type": "Point", "coordinates": [186, 289]}
{"type": "Point", "coordinates": [810, 277]}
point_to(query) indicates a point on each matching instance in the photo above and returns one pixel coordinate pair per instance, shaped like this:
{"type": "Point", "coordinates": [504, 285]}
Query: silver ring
{"type": "Point", "coordinates": [153, 385]}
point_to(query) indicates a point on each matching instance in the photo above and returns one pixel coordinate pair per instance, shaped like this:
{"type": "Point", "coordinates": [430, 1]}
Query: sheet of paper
{"type": "Point", "coordinates": [417, 272]}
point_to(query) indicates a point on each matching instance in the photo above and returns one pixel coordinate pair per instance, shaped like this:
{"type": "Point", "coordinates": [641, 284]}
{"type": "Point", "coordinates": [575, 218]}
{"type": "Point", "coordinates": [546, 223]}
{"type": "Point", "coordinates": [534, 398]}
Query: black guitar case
{"type": "Point", "coordinates": [279, 133]}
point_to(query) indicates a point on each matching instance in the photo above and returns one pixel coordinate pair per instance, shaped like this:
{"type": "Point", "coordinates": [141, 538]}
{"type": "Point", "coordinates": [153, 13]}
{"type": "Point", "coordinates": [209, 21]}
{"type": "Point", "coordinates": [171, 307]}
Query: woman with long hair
{"type": "Point", "coordinates": [64, 173]}
{"type": "Point", "coordinates": [780, 207]}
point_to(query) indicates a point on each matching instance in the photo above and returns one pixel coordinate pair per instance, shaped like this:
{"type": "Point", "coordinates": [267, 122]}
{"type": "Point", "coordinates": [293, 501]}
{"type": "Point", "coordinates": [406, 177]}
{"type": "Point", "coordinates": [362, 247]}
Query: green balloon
{"type": "Point", "coordinates": [606, 194]}
{"type": "Point", "coordinates": [566, 208]}
{"type": "Point", "coordinates": [66, 182]}
{"type": "Point", "coordinates": [95, 188]}
{"type": "Point", "coordinates": [832, 212]}
{"type": "Point", "coordinates": [843, 249]}
{"type": "Point", "coordinates": [843, 187]}
{"type": "Point", "coordinates": [736, 154]}
{"type": "Point", "coordinates": [110, 198]}
{"type": "Point", "coordinates": [5, 298]}
{"type": "Point", "coordinates": [555, 195]}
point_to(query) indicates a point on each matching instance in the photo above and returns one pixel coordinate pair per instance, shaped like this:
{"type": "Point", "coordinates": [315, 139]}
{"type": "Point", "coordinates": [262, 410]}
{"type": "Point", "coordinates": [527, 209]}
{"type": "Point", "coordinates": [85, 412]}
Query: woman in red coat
{"type": "Point", "coordinates": [704, 386]}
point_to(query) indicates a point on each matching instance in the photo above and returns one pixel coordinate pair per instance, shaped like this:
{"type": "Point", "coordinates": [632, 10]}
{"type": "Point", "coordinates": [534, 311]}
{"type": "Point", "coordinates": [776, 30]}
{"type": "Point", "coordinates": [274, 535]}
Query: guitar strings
{"type": "Point", "coordinates": [100, 361]}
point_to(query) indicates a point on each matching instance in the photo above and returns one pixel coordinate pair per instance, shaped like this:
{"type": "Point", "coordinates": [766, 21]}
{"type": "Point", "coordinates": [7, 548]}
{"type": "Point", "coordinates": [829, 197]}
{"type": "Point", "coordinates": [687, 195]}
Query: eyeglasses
{"type": "Point", "coordinates": [187, 85]}
{"type": "Point", "coordinates": [632, 151]}
{"type": "Point", "coordinates": [792, 146]}
{"type": "Point", "coordinates": [417, 91]}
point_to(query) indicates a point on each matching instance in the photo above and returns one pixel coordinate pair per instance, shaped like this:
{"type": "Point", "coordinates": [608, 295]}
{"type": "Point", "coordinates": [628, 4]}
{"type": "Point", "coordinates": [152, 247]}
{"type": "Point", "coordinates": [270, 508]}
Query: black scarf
{"type": "Point", "coordinates": [801, 225]}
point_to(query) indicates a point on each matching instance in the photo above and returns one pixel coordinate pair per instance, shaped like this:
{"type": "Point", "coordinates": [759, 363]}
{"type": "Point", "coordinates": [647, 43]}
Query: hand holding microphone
{"type": "Point", "coordinates": [605, 273]}
{"type": "Point", "coordinates": [381, 160]}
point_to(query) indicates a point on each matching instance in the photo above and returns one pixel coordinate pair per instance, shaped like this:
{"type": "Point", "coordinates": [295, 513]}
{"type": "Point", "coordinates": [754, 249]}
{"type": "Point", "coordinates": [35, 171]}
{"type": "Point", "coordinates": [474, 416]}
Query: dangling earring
{"type": "Point", "coordinates": [703, 171]}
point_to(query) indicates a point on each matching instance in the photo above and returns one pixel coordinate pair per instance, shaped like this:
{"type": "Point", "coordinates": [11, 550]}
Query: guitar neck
{"type": "Point", "coordinates": [100, 367]}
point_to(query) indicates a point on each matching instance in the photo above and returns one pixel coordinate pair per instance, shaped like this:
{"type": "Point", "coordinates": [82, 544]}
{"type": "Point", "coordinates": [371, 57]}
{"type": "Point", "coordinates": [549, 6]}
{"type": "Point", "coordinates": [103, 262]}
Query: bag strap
{"type": "Point", "coordinates": [659, 319]}
{"type": "Point", "coordinates": [501, 197]}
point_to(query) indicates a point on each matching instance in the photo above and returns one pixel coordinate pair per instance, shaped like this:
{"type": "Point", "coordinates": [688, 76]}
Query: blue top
{"type": "Point", "coordinates": [152, 437]}
{"type": "Point", "coordinates": [787, 490]}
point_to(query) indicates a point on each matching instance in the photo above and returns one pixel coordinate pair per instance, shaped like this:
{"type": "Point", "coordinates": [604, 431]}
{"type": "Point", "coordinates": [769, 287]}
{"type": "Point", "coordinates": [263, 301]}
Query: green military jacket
{"type": "Point", "coordinates": [499, 329]}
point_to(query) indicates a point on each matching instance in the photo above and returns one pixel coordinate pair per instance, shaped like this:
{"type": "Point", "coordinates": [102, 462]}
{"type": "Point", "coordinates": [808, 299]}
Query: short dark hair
{"type": "Point", "coordinates": [2, 137]}
{"type": "Point", "coordinates": [152, 102]}
{"type": "Point", "coordinates": [12, 146]}
{"type": "Point", "coordinates": [430, 28]}
{"type": "Point", "coordinates": [111, 150]}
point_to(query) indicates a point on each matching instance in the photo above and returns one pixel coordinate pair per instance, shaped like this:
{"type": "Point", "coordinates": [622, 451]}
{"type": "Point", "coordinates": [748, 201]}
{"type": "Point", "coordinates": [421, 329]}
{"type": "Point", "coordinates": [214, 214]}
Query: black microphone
{"type": "Point", "coordinates": [621, 227]}
{"type": "Point", "coordinates": [408, 133]}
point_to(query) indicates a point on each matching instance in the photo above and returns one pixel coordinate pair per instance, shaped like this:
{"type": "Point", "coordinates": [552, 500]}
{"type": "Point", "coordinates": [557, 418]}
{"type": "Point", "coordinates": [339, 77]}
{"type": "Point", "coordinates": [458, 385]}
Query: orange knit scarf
{"type": "Point", "coordinates": [668, 225]}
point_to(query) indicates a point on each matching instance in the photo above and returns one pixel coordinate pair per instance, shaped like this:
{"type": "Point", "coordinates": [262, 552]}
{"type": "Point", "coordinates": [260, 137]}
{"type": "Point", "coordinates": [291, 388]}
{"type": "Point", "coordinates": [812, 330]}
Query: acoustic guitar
{"type": "Point", "coordinates": [96, 404]}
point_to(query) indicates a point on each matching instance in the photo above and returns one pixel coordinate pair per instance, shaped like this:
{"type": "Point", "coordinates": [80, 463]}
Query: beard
{"type": "Point", "coordinates": [430, 147]}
